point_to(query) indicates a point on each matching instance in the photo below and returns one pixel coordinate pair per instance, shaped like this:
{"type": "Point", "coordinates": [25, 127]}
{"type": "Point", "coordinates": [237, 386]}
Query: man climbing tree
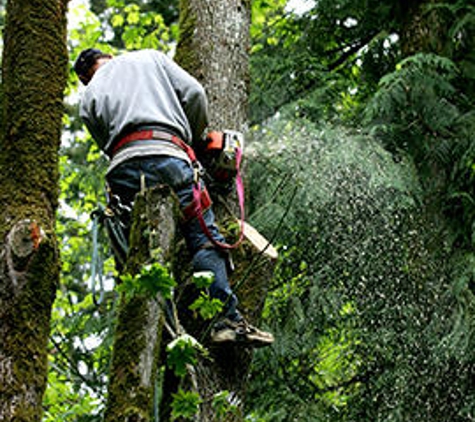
{"type": "Point", "coordinates": [144, 111]}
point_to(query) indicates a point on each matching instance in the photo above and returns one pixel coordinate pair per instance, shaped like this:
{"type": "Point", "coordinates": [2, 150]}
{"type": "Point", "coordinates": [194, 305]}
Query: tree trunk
{"type": "Point", "coordinates": [140, 317]}
{"type": "Point", "coordinates": [214, 47]}
{"type": "Point", "coordinates": [34, 77]}
{"type": "Point", "coordinates": [423, 29]}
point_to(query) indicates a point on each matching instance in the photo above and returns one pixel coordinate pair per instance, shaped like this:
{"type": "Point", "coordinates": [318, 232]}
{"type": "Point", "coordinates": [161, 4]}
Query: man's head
{"type": "Point", "coordinates": [88, 62]}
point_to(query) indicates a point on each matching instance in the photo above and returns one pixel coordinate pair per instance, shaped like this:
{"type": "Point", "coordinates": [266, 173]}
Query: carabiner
{"type": "Point", "coordinates": [197, 171]}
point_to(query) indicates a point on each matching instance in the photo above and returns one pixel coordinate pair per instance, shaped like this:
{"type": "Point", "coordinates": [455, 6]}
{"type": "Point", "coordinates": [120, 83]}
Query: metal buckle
{"type": "Point", "coordinates": [197, 171]}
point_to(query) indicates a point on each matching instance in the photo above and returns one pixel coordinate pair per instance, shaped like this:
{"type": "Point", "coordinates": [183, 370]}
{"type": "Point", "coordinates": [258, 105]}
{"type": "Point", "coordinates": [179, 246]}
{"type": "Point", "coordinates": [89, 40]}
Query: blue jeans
{"type": "Point", "coordinates": [124, 181]}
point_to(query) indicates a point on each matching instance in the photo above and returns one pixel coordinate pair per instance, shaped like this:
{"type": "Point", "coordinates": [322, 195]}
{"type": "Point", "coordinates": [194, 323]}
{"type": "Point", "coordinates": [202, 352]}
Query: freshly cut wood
{"type": "Point", "coordinates": [259, 241]}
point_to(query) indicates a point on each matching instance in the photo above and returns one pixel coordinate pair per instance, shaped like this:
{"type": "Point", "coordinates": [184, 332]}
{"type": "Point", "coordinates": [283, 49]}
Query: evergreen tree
{"type": "Point", "coordinates": [374, 299]}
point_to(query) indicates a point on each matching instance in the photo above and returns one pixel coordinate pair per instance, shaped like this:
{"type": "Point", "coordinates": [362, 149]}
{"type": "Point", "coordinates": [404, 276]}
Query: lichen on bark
{"type": "Point", "coordinates": [138, 335]}
{"type": "Point", "coordinates": [33, 79]}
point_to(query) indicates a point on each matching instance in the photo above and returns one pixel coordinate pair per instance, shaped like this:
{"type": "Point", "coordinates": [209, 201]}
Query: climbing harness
{"type": "Point", "coordinates": [226, 164]}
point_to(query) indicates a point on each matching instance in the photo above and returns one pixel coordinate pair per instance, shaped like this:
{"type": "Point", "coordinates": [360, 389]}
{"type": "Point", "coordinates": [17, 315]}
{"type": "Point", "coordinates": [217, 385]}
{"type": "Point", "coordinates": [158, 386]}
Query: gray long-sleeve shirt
{"type": "Point", "coordinates": [143, 88]}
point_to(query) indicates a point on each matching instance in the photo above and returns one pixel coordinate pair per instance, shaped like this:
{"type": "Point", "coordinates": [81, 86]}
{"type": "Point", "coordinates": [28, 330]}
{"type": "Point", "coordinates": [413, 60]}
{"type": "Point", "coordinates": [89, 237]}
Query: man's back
{"type": "Point", "coordinates": [143, 88]}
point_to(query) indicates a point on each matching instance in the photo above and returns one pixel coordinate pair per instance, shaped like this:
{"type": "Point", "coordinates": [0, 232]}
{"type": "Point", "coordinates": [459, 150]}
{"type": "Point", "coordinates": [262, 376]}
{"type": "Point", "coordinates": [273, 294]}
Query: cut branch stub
{"type": "Point", "coordinates": [24, 239]}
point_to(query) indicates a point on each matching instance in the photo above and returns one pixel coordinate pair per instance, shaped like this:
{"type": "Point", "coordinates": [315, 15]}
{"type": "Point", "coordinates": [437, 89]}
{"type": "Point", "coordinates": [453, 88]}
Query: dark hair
{"type": "Point", "coordinates": [85, 61]}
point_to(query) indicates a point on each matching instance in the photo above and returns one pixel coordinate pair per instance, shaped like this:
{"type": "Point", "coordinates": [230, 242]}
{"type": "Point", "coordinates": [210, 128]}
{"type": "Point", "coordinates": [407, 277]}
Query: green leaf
{"type": "Point", "coordinates": [117, 20]}
{"type": "Point", "coordinates": [182, 352]}
{"type": "Point", "coordinates": [185, 404]}
{"type": "Point", "coordinates": [206, 306]}
{"type": "Point", "coordinates": [203, 279]}
{"type": "Point", "coordinates": [133, 17]}
{"type": "Point", "coordinates": [154, 279]}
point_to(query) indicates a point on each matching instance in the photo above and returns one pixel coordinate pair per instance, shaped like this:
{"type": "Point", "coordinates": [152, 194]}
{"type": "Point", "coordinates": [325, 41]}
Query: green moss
{"type": "Point", "coordinates": [27, 332]}
{"type": "Point", "coordinates": [127, 395]}
{"type": "Point", "coordinates": [132, 317]}
{"type": "Point", "coordinates": [34, 76]}
{"type": "Point", "coordinates": [34, 70]}
{"type": "Point", "coordinates": [126, 378]}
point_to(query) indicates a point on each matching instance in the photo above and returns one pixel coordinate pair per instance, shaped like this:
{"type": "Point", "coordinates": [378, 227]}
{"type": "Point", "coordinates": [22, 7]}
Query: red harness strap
{"type": "Point", "coordinates": [240, 194]}
{"type": "Point", "coordinates": [135, 136]}
{"type": "Point", "coordinates": [191, 211]}
{"type": "Point", "coordinates": [201, 200]}
{"type": "Point", "coordinates": [145, 135]}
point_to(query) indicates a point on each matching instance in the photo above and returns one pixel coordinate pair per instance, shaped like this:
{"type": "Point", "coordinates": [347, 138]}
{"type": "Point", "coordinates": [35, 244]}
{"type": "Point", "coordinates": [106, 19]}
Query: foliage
{"type": "Point", "coordinates": [206, 306]}
{"type": "Point", "coordinates": [332, 57]}
{"type": "Point", "coordinates": [182, 352]}
{"type": "Point", "coordinates": [419, 109]}
{"type": "Point", "coordinates": [185, 404]}
{"type": "Point", "coordinates": [416, 104]}
{"type": "Point", "coordinates": [334, 53]}
{"type": "Point", "coordinates": [222, 406]}
{"type": "Point", "coordinates": [137, 24]}
{"type": "Point", "coordinates": [392, 250]}
{"type": "Point", "coordinates": [168, 9]}
{"type": "Point", "coordinates": [65, 404]}
{"type": "Point", "coordinates": [203, 279]}
{"type": "Point", "coordinates": [361, 303]}
{"type": "Point", "coordinates": [138, 28]}
{"type": "Point", "coordinates": [152, 280]}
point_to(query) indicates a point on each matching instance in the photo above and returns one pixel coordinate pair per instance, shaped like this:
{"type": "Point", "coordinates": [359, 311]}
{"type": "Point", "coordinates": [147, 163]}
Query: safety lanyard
{"type": "Point", "coordinates": [240, 195]}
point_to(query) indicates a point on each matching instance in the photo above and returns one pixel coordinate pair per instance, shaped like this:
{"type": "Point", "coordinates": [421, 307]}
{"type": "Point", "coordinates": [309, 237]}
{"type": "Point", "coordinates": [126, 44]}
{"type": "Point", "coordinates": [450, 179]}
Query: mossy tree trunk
{"type": "Point", "coordinates": [140, 317]}
{"type": "Point", "coordinates": [34, 77]}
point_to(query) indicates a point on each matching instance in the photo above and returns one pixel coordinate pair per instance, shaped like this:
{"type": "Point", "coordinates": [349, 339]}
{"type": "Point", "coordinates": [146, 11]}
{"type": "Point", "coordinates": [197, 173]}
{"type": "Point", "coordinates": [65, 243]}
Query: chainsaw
{"type": "Point", "coordinates": [220, 155]}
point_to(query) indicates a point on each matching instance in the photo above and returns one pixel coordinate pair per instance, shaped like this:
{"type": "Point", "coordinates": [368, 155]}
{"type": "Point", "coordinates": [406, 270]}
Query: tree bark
{"type": "Point", "coordinates": [214, 47]}
{"type": "Point", "coordinates": [138, 333]}
{"type": "Point", "coordinates": [423, 30]}
{"type": "Point", "coordinates": [34, 77]}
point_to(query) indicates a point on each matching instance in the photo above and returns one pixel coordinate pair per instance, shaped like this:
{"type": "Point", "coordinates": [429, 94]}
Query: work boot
{"type": "Point", "coordinates": [242, 333]}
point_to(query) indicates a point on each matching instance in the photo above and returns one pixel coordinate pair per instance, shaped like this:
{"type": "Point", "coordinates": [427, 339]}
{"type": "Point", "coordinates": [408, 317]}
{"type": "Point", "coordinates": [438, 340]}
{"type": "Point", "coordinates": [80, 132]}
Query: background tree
{"type": "Point", "coordinates": [33, 80]}
{"type": "Point", "coordinates": [418, 288]}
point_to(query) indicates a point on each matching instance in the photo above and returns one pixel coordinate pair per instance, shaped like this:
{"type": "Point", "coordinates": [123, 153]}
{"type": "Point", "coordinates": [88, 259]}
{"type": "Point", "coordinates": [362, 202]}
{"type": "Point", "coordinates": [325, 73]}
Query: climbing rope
{"type": "Point", "coordinates": [96, 261]}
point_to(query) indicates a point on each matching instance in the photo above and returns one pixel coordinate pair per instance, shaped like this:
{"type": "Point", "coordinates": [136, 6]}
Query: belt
{"type": "Point", "coordinates": [149, 134]}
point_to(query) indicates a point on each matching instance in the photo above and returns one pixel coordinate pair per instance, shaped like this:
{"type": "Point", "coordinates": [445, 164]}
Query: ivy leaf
{"type": "Point", "coordinates": [206, 306]}
{"type": "Point", "coordinates": [152, 280]}
{"type": "Point", "coordinates": [182, 352]}
{"type": "Point", "coordinates": [203, 279]}
{"type": "Point", "coordinates": [117, 20]}
{"type": "Point", "coordinates": [185, 404]}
